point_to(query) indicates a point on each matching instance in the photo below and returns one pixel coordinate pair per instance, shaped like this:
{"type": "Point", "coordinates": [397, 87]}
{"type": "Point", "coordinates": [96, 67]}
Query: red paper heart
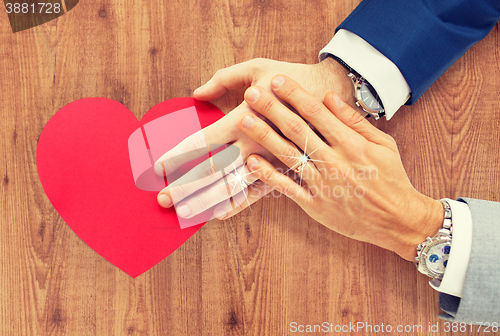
{"type": "Point", "coordinates": [84, 166]}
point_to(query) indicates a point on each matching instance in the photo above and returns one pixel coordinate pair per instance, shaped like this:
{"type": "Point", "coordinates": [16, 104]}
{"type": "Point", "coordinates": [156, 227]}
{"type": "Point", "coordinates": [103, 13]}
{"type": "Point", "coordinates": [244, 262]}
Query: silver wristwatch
{"type": "Point", "coordinates": [366, 96]}
{"type": "Point", "coordinates": [433, 253]}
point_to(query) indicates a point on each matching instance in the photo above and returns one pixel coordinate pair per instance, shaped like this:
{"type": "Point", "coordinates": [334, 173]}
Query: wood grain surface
{"type": "Point", "coordinates": [265, 268]}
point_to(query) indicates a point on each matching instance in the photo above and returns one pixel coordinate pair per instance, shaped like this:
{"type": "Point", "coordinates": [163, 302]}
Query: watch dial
{"type": "Point", "coordinates": [437, 258]}
{"type": "Point", "coordinates": [370, 97]}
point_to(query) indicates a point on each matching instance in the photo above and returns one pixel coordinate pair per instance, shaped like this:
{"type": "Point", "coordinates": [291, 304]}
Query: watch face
{"type": "Point", "coordinates": [369, 97]}
{"type": "Point", "coordinates": [437, 258]}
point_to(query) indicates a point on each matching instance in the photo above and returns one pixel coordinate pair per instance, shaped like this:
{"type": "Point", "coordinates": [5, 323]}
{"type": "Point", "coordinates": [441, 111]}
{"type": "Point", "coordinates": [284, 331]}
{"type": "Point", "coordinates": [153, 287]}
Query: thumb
{"type": "Point", "coordinates": [232, 78]}
{"type": "Point", "coordinates": [355, 120]}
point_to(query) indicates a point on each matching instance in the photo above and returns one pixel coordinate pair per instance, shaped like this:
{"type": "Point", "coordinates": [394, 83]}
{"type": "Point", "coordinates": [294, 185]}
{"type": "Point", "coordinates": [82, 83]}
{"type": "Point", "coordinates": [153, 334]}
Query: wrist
{"type": "Point", "coordinates": [423, 219]}
{"type": "Point", "coordinates": [336, 78]}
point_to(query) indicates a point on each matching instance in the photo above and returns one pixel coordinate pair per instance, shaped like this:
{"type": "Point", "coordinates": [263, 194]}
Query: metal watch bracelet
{"type": "Point", "coordinates": [443, 236]}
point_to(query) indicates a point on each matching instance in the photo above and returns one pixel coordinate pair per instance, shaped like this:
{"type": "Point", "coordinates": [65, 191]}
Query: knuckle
{"type": "Point", "coordinates": [239, 206]}
{"type": "Point", "coordinates": [290, 156]}
{"type": "Point", "coordinates": [290, 151]}
{"type": "Point", "coordinates": [255, 62]}
{"type": "Point", "coordinates": [392, 143]}
{"type": "Point", "coordinates": [267, 107]}
{"type": "Point", "coordinates": [255, 67]}
{"type": "Point", "coordinates": [264, 134]}
{"type": "Point", "coordinates": [199, 144]}
{"type": "Point", "coordinates": [256, 188]}
{"type": "Point", "coordinates": [285, 189]}
{"type": "Point", "coordinates": [259, 62]}
{"type": "Point", "coordinates": [232, 183]}
{"type": "Point", "coordinates": [391, 140]}
{"type": "Point", "coordinates": [355, 118]}
{"type": "Point", "coordinates": [219, 73]}
{"type": "Point", "coordinates": [259, 176]}
{"type": "Point", "coordinates": [291, 93]}
{"type": "Point", "coordinates": [196, 142]}
{"type": "Point", "coordinates": [171, 161]}
{"type": "Point", "coordinates": [266, 175]}
{"type": "Point", "coordinates": [294, 127]}
{"type": "Point", "coordinates": [246, 150]}
{"type": "Point", "coordinates": [178, 193]}
{"type": "Point", "coordinates": [205, 171]}
{"type": "Point", "coordinates": [198, 204]}
{"type": "Point", "coordinates": [312, 107]}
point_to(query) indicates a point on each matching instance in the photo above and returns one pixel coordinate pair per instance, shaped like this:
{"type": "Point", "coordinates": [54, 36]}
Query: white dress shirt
{"type": "Point", "coordinates": [393, 90]}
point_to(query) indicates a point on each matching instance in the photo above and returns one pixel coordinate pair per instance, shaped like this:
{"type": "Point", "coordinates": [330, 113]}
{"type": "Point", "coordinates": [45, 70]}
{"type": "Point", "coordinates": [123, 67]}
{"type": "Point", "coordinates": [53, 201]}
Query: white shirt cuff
{"type": "Point", "coordinates": [377, 69]}
{"type": "Point", "coordinates": [461, 246]}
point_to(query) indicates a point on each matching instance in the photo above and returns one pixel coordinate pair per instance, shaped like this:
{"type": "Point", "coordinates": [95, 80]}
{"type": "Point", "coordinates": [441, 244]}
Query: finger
{"type": "Point", "coordinates": [194, 146]}
{"type": "Point", "coordinates": [351, 118]}
{"type": "Point", "coordinates": [247, 197]}
{"type": "Point", "coordinates": [232, 78]}
{"type": "Point", "coordinates": [312, 110]}
{"type": "Point", "coordinates": [242, 200]}
{"type": "Point", "coordinates": [222, 190]}
{"type": "Point", "coordinates": [284, 150]}
{"type": "Point", "coordinates": [278, 181]}
{"type": "Point", "coordinates": [204, 174]}
{"type": "Point", "coordinates": [291, 125]}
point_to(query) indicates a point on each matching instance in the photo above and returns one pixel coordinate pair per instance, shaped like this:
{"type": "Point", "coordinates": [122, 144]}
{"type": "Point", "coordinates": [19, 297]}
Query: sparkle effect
{"type": "Point", "coordinates": [303, 160]}
{"type": "Point", "coordinates": [240, 180]}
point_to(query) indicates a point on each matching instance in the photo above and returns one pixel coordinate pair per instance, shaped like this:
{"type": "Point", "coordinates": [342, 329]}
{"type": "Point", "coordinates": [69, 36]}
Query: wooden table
{"type": "Point", "coordinates": [254, 274]}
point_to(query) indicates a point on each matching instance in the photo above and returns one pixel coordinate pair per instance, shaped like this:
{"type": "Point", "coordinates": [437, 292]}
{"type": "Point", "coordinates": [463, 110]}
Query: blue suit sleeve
{"type": "Point", "coordinates": [423, 37]}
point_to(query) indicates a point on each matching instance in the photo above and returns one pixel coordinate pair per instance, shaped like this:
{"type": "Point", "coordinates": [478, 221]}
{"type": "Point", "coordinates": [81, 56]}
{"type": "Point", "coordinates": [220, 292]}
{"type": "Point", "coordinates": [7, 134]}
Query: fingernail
{"type": "Point", "coordinates": [277, 81]}
{"type": "Point", "coordinates": [248, 121]}
{"type": "Point", "coordinates": [164, 200]}
{"type": "Point", "coordinates": [198, 90]}
{"type": "Point", "coordinates": [183, 210]}
{"type": "Point", "coordinates": [337, 101]}
{"type": "Point", "coordinates": [158, 168]}
{"type": "Point", "coordinates": [253, 163]}
{"type": "Point", "coordinates": [252, 94]}
{"type": "Point", "coordinates": [220, 214]}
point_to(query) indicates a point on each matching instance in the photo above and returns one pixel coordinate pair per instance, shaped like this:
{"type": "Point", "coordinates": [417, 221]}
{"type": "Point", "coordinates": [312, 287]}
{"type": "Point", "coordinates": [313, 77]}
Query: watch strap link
{"type": "Point", "coordinates": [447, 227]}
{"type": "Point", "coordinates": [444, 235]}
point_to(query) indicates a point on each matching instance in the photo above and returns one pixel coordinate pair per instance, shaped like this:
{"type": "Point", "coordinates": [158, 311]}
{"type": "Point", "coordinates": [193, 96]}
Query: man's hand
{"type": "Point", "coordinates": [354, 183]}
{"type": "Point", "coordinates": [327, 75]}
{"type": "Point", "coordinates": [204, 193]}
